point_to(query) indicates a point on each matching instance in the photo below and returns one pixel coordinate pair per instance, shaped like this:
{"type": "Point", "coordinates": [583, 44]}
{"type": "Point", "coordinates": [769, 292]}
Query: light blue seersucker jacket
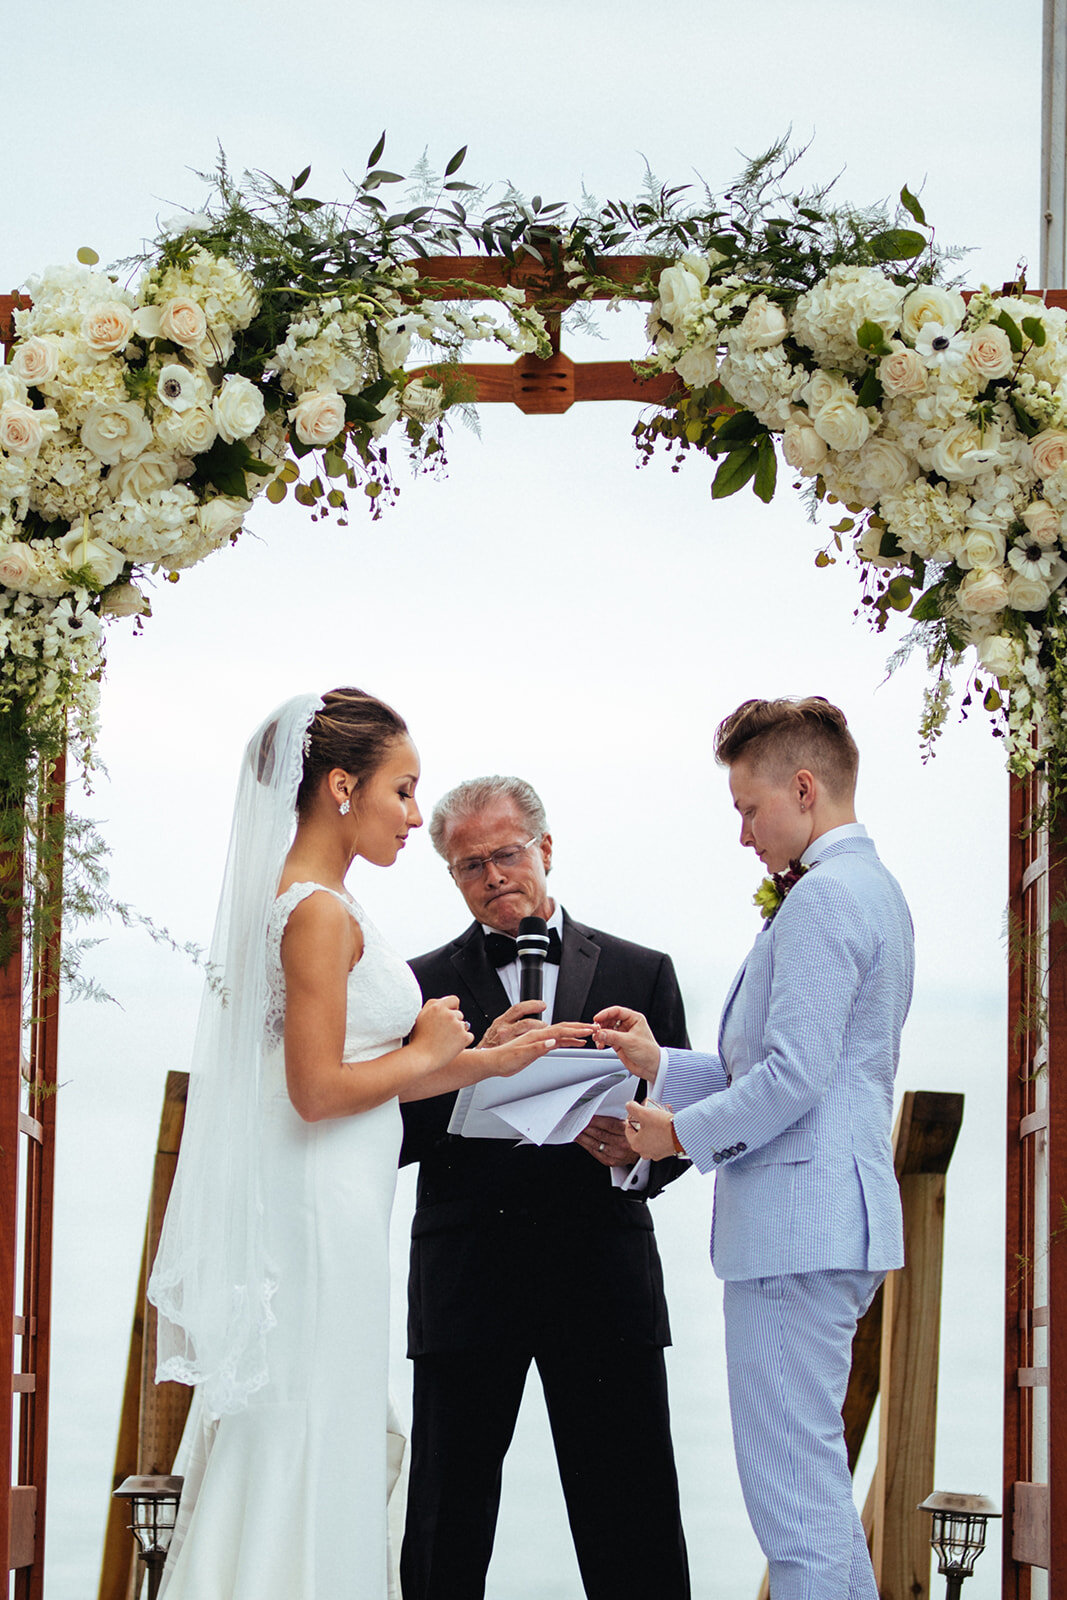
{"type": "Point", "coordinates": [797, 1124]}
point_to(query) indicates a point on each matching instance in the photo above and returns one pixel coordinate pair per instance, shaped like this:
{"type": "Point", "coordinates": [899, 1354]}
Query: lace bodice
{"type": "Point", "coordinates": [383, 995]}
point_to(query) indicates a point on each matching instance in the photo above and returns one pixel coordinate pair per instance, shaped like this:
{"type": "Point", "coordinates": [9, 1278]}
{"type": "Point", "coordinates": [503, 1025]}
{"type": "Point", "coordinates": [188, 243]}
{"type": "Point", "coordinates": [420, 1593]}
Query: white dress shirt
{"type": "Point", "coordinates": [510, 976]}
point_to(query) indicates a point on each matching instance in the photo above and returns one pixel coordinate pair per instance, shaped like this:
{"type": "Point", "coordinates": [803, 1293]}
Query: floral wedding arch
{"type": "Point", "coordinates": [276, 344]}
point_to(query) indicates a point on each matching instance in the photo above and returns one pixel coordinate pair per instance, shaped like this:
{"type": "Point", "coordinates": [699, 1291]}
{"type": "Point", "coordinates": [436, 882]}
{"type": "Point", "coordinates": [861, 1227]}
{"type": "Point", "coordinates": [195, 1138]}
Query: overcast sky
{"type": "Point", "coordinates": [549, 610]}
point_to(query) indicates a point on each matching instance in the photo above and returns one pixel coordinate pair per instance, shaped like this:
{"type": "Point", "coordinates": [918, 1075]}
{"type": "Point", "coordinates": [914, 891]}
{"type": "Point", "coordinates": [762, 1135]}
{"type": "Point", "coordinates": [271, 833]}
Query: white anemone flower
{"type": "Point", "coordinates": [942, 347]}
{"type": "Point", "coordinates": [1033, 562]}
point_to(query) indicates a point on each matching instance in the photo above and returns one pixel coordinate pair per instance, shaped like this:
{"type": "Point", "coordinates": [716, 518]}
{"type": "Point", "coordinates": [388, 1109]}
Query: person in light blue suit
{"type": "Point", "coordinates": [794, 1116]}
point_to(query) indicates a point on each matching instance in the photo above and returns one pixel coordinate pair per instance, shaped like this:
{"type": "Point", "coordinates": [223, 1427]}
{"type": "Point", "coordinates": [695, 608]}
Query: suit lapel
{"type": "Point", "coordinates": [479, 975]}
{"type": "Point", "coordinates": [730, 998]}
{"type": "Point", "coordinates": [577, 969]}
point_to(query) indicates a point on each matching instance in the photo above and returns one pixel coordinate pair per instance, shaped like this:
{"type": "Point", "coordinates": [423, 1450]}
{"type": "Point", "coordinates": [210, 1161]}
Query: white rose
{"type": "Point", "coordinates": [238, 408]}
{"type": "Point", "coordinates": [981, 548]}
{"type": "Point", "coordinates": [902, 373]}
{"type": "Point", "coordinates": [107, 327]}
{"type": "Point", "coordinates": [1048, 450]}
{"type": "Point", "coordinates": [11, 387]}
{"type": "Point", "coordinates": [35, 361]}
{"type": "Point", "coordinates": [146, 322]}
{"type": "Point", "coordinates": [822, 387]}
{"type": "Point", "coordinates": [868, 548]}
{"type": "Point", "coordinates": [698, 366]}
{"type": "Point", "coordinates": [18, 565]}
{"type": "Point", "coordinates": [1027, 593]}
{"type": "Point", "coordinates": [1000, 655]}
{"type": "Point", "coordinates": [115, 432]}
{"type": "Point", "coordinates": [679, 290]}
{"type": "Point", "coordinates": [989, 353]}
{"type": "Point", "coordinates": [178, 388]}
{"type": "Point", "coordinates": [928, 303]}
{"type": "Point", "coordinates": [222, 518]}
{"type": "Point", "coordinates": [983, 592]}
{"type": "Point", "coordinates": [1042, 523]}
{"type": "Point", "coordinates": [182, 321]}
{"type": "Point", "coordinates": [124, 600]}
{"type": "Point", "coordinates": [22, 429]}
{"type": "Point", "coordinates": [318, 417]}
{"type": "Point", "coordinates": [700, 265]}
{"type": "Point", "coordinates": [102, 559]}
{"type": "Point", "coordinates": [763, 324]}
{"type": "Point", "coordinates": [802, 447]}
{"type": "Point", "coordinates": [883, 466]}
{"type": "Point", "coordinates": [842, 423]}
{"type": "Point", "coordinates": [964, 451]}
{"type": "Point", "coordinates": [197, 431]}
{"type": "Point", "coordinates": [141, 476]}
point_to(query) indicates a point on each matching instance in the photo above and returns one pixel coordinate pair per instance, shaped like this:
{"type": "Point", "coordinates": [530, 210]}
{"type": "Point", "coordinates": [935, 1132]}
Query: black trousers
{"type": "Point", "coordinates": [465, 1408]}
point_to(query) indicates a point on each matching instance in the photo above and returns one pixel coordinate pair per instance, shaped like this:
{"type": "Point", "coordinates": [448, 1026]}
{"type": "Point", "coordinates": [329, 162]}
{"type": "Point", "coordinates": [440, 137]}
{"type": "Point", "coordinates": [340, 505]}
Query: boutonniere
{"type": "Point", "coordinates": [771, 893]}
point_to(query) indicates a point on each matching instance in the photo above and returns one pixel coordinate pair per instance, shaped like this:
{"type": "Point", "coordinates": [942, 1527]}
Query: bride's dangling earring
{"type": "Point", "coordinates": [345, 806]}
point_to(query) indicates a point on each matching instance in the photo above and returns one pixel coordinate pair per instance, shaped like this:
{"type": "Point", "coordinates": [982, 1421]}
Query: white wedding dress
{"type": "Point", "coordinates": [287, 1499]}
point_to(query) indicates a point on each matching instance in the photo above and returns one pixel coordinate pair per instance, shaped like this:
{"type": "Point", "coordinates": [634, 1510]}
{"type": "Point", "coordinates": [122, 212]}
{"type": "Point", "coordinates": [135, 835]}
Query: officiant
{"type": "Point", "coordinates": [523, 1254]}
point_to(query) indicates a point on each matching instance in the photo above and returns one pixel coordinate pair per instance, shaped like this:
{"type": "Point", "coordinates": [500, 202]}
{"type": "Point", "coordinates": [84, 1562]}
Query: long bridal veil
{"type": "Point", "coordinates": [212, 1281]}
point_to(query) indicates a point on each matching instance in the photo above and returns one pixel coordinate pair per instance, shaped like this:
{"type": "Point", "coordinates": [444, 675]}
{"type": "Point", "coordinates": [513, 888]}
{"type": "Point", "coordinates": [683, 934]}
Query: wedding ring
{"type": "Point", "coordinates": [600, 1148]}
{"type": "Point", "coordinates": [636, 1126]}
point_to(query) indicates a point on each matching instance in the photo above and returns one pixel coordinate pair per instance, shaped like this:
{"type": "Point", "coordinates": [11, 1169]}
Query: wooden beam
{"type": "Point", "coordinates": [164, 1406]}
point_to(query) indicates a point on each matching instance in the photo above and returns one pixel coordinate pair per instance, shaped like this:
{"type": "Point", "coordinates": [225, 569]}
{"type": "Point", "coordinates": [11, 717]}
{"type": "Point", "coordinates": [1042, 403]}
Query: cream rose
{"type": "Point", "coordinates": [1042, 523]}
{"type": "Point", "coordinates": [763, 324]}
{"type": "Point", "coordinates": [222, 518]}
{"type": "Point", "coordinates": [107, 327]}
{"type": "Point", "coordinates": [982, 593]}
{"type": "Point", "coordinates": [18, 565]}
{"type": "Point", "coordinates": [883, 466]}
{"type": "Point", "coordinates": [12, 387]}
{"type": "Point", "coordinates": [1000, 654]}
{"type": "Point", "coordinates": [196, 431]}
{"type": "Point", "coordinates": [318, 417]}
{"type": "Point", "coordinates": [182, 322]}
{"type": "Point", "coordinates": [698, 366]}
{"type": "Point", "coordinates": [964, 451]}
{"type": "Point", "coordinates": [679, 291]}
{"type": "Point", "coordinates": [989, 353]}
{"type": "Point", "coordinates": [100, 558]}
{"type": "Point", "coordinates": [238, 408]}
{"type": "Point", "coordinates": [124, 600]}
{"type": "Point", "coordinates": [803, 448]}
{"type": "Point", "coordinates": [141, 476]}
{"type": "Point", "coordinates": [35, 361]}
{"type": "Point", "coordinates": [1048, 450]}
{"type": "Point", "coordinates": [700, 265]}
{"type": "Point", "coordinates": [116, 432]}
{"type": "Point", "coordinates": [902, 373]}
{"type": "Point", "coordinates": [822, 387]}
{"type": "Point", "coordinates": [22, 429]}
{"type": "Point", "coordinates": [981, 549]}
{"type": "Point", "coordinates": [928, 303]}
{"type": "Point", "coordinates": [842, 423]}
{"type": "Point", "coordinates": [1028, 594]}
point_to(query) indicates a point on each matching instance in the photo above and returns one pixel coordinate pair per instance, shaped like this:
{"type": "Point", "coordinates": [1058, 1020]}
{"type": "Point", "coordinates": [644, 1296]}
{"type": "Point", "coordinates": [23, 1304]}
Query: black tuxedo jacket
{"type": "Point", "coordinates": [519, 1245]}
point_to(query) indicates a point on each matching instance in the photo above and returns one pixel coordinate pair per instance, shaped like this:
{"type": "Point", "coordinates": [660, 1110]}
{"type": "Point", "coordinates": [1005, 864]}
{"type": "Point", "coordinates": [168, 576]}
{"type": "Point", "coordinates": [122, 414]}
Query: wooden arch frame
{"type": "Point", "coordinates": [1035, 1512]}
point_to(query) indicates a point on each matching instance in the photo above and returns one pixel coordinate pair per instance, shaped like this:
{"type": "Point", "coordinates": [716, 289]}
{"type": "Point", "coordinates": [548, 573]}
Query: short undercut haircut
{"type": "Point", "coordinates": [477, 794]}
{"type": "Point", "coordinates": [780, 737]}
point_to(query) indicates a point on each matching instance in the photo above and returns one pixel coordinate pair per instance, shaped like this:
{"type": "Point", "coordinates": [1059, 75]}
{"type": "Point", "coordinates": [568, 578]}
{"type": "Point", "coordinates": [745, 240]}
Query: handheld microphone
{"type": "Point", "coordinates": [533, 948]}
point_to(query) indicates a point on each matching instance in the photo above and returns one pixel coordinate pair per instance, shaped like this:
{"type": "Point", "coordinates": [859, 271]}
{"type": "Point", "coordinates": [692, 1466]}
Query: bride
{"type": "Point", "coordinates": [272, 1272]}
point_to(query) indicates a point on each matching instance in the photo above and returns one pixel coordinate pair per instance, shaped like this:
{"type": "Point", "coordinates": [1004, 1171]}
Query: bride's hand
{"type": "Point", "coordinates": [504, 1060]}
{"type": "Point", "coordinates": [441, 1031]}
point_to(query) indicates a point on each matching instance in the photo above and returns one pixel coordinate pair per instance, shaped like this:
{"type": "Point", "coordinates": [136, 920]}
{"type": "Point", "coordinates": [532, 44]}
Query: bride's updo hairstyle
{"type": "Point", "coordinates": [779, 737]}
{"type": "Point", "coordinates": [353, 731]}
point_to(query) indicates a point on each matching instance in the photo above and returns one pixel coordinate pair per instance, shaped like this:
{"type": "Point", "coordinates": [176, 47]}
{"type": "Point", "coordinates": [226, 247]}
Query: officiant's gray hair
{"type": "Point", "coordinates": [477, 794]}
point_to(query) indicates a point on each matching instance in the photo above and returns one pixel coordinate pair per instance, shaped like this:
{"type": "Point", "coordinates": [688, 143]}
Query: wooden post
{"type": "Point", "coordinates": [153, 1415]}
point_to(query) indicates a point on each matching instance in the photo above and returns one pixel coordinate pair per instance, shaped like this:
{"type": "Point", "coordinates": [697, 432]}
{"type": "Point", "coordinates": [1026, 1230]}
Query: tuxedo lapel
{"type": "Point", "coordinates": [480, 976]}
{"type": "Point", "coordinates": [577, 968]}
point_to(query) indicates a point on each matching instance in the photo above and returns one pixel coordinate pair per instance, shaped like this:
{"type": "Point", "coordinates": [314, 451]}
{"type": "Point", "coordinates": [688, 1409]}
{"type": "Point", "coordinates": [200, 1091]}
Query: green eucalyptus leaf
{"type": "Point", "coordinates": [88, 256]}
{"type": "Point", "coordinates": [738, 467]}
{"type": "Point", "coordinates": [912, 206]}
{"type": "Point", "coordinates": [1034, 330]}
{"type": "Point", "coordinates": [899, 593]}
{"type": "Point", "coordinates": [897, 244]}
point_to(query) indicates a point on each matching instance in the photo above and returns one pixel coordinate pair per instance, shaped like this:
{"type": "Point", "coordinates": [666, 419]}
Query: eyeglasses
{"type": "Point", "coordinates": [470, 870]}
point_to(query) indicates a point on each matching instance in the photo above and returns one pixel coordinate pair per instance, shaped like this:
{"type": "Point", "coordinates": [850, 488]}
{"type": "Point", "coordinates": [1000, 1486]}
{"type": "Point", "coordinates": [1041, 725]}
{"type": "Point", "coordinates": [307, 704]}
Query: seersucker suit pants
{"type": "Point", "coordinates": [788, 1357]}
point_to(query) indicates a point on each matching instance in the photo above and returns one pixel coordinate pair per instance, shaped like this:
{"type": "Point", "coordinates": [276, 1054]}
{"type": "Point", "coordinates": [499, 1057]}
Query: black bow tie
{"type": "Point", "coordinates": [502, 951]}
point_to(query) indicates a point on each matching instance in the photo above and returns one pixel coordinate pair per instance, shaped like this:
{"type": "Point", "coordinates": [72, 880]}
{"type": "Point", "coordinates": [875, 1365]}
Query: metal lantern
{"type": "Point", "coordinates": [957, 1533]}
{"type": "Point", "coordinates": [154, 1510]}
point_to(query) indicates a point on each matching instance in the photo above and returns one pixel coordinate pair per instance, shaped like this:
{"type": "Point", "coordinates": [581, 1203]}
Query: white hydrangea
{"type": "Point", "coordinates": [827, 318]}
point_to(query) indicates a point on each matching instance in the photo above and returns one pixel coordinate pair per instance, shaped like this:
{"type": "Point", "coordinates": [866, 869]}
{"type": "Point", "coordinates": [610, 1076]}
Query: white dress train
{"type": "Point", "coordinates": [287, 1499]}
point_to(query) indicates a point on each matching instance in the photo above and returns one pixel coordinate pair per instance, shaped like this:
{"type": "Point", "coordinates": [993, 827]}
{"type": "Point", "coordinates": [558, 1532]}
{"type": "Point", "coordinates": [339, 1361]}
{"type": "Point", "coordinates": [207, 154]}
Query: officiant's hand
{"type": "Point", "coordinates": [648, 1130]}
{"type": "Point", "coordinates": [513, 1022]}
{"type": "Point", "coordinates": [605, 1139]}
{"type": "Point", "coordinates": [629, 1035]}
